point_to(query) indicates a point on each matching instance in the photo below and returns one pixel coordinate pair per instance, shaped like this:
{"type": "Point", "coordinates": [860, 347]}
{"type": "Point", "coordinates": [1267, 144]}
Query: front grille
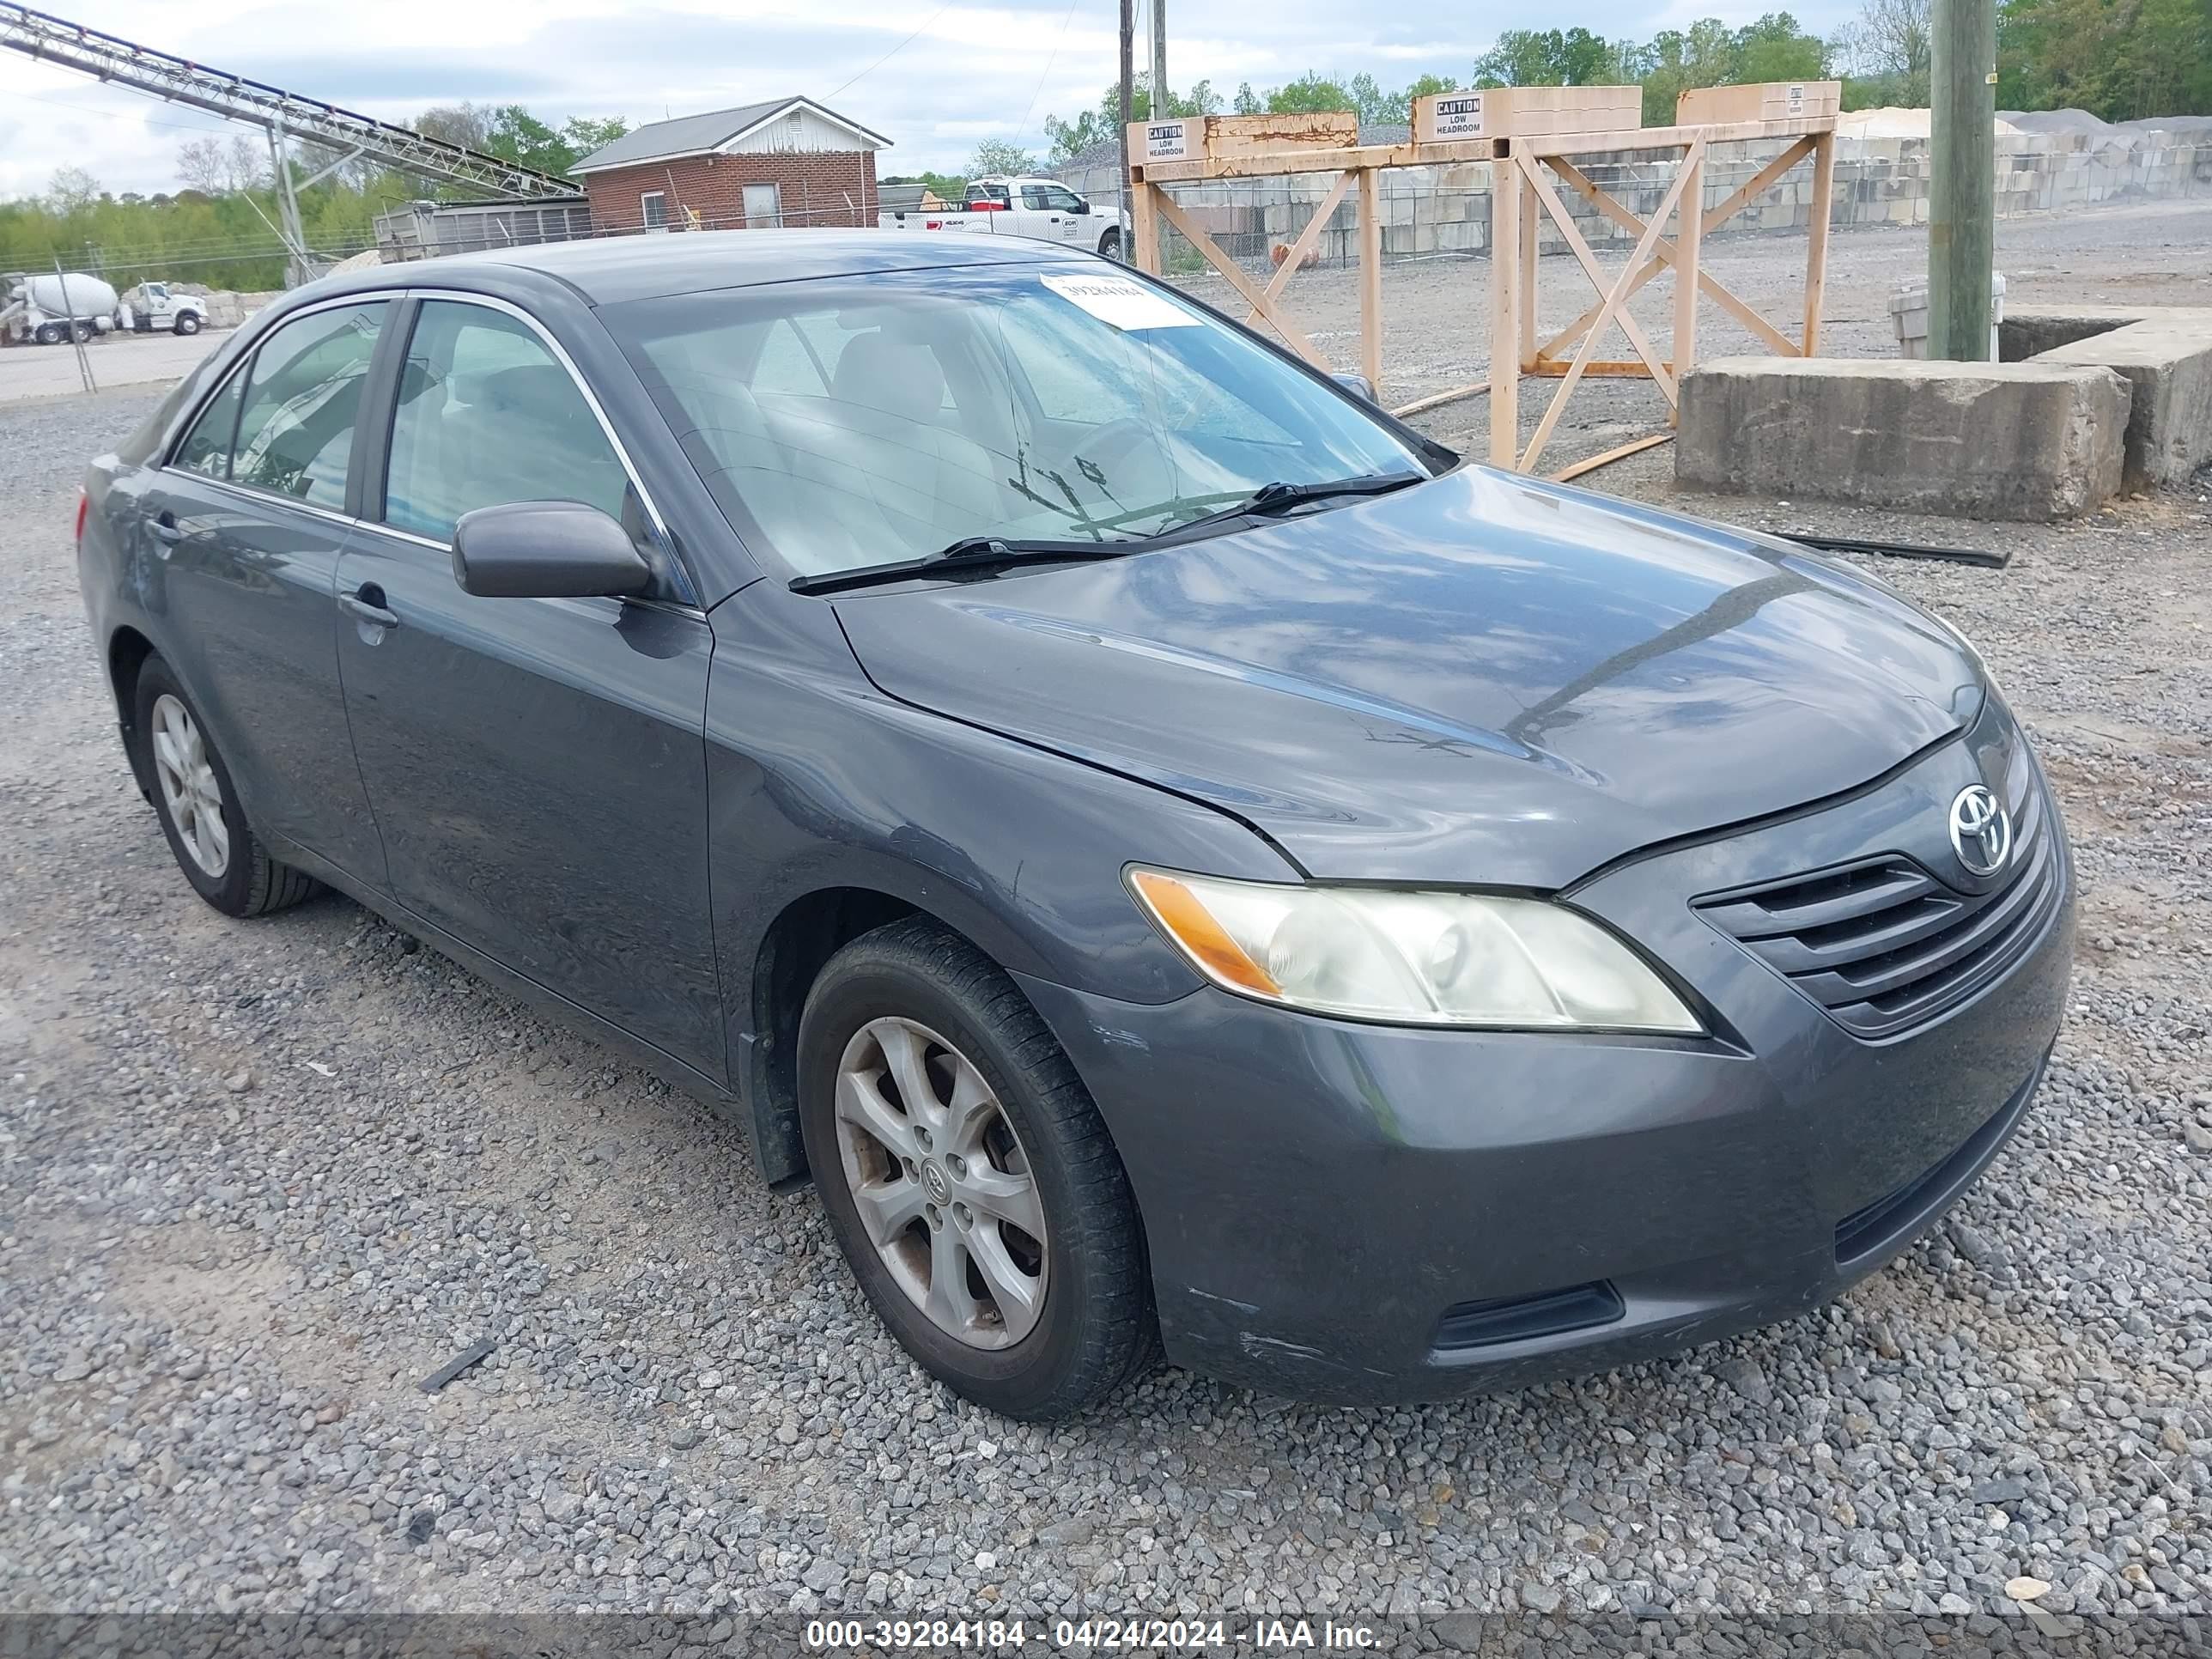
{"type": "Point", "coordinates": [1883, 945]}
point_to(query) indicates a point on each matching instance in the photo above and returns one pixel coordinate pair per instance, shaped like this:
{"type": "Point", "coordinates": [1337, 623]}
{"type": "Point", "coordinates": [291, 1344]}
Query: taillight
{"type": "Point", "coordinates": [83, 506]}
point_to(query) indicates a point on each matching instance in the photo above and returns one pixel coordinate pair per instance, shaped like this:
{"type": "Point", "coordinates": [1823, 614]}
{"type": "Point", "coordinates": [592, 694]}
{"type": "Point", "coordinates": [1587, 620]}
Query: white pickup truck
{"type": "Point", "coordinates": [1044, 209]}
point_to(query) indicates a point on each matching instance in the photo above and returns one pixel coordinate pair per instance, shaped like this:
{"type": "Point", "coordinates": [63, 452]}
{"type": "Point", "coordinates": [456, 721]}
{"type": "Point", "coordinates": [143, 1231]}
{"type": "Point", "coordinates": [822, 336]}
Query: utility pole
{"type": "Point", "coordinates": [1128, 111]}
{"type": "Point", "coordinates": [1962, 185]}
{"type": "Point", "coordinates": [1160, 58]}
{"type": "Point", "coordinates": [1128, 62]}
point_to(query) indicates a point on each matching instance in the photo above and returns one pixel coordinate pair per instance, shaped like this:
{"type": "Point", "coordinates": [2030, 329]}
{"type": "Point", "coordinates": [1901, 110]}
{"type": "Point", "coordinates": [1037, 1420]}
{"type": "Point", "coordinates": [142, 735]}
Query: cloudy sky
{"type": "Point", "coordinates": [936, 78]}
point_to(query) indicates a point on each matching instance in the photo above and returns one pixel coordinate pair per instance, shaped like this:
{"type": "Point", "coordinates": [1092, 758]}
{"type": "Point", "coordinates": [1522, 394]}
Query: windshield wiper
{"type": "Point", "coordinates": [1272, 498]}
{"type": "Point", "coordinates": [968, 553]}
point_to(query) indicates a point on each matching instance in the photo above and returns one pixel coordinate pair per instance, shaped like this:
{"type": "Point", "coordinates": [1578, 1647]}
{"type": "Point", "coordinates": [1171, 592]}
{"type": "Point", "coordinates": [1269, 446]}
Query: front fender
{"type": "Point", "coordinates": [817, 783]}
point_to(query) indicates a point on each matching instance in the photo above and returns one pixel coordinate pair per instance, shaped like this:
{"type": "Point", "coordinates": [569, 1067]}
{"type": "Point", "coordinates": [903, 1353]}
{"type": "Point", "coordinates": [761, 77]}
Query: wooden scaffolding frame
{"type": "Point", "coordinates": [1524, 191]}
{"type": "Point", "coordinates": [1357, 168]}
{"type": "Point", "coordinates": [1527, 169]}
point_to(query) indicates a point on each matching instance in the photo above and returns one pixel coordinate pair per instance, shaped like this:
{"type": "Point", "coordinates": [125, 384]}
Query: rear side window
{"type": "Point", "coordinates": [488, 416]}
{"type": "Point", "coordinates": [206, 448]}
{"type": "Point", "coordinates": [303, 400]}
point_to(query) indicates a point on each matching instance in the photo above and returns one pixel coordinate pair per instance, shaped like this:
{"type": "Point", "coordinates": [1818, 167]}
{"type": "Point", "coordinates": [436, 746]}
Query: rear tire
{"type": "Point", "coordinates": [83, 331]}
{"type": "Point", "coordinates": [50, 334]}
{"type": "Point", "coordinates": [1036, 1328]}
{"type": "Point", "coordinates": [197, 805]}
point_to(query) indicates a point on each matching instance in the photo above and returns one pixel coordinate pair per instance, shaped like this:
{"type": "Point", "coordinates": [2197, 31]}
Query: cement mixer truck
{"type": "Point", "coordinates": [48, 306]}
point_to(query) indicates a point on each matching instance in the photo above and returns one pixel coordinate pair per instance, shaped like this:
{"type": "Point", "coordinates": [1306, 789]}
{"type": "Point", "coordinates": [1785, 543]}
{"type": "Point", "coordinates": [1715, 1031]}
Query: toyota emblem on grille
{"type": "Point", "coordinates": [1981, 830]}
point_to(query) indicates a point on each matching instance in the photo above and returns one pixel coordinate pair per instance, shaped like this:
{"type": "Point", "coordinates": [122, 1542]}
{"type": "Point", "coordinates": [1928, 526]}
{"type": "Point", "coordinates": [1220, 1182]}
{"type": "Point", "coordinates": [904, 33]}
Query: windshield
{"type": "Point", "coordinates": [861, 420]}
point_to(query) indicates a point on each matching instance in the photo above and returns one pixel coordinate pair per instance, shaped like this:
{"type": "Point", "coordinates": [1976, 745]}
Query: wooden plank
{"type": "Point", "coordinates": [1233, 274]}
{"type": "Point", "coordinates": [1370, 279]}
{"type": "Point", "coordinates": [1575, 469]}
{"type": "Point", "coordinates": [1504, 319]}
{"type": "Point", "coordinates": [1145, 229]}
{"type": "Point", "coordinates": [1759, 183]}
{"type": "Point", "coordinates": [1531, 223]}
{"type": "Point", "coordinates": [1566, 221]}
{"type": "Point", "coordinates": [1614, 300]}
{"type": "Point", "coordinates": [1615, 368]}
{"type": "Point", "coordinates": [1690, 218]}
{"type": "Point", "coordinates": [1308, 238]}
{"type": "Point", "coordinates": [1438, 400]}
{"type": "Point", "coordinates": [1289, 163]}
{"type": "Point", "coordinates": [1673, 137]}
{"type": "Point", "coordinates": [1816, 240]}
{"type": "Point", "coordinates": [1772, 337]}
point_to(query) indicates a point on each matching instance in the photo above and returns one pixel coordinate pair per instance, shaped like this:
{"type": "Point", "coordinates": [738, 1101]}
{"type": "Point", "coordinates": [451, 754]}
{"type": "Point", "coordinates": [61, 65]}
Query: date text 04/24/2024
{"type": "Point", "coordinates": [1083, 1635]}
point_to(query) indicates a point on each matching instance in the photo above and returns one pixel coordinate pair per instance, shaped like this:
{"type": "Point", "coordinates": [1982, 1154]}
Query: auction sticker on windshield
{"type": "Point", "coordinates": [1120, 301]}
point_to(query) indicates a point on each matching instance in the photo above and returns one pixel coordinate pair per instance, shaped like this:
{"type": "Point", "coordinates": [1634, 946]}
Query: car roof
{"type": "Point", "coordinates": [608, 270]}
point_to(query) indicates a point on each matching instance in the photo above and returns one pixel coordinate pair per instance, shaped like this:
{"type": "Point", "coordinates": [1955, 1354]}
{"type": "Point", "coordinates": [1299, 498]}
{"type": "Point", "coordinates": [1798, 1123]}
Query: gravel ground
{"type": "Point", "coordinates": [257, 1180]}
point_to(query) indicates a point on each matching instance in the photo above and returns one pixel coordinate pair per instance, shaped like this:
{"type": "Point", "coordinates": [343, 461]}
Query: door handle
{"type": "Point", "coordinates": [366, 603]}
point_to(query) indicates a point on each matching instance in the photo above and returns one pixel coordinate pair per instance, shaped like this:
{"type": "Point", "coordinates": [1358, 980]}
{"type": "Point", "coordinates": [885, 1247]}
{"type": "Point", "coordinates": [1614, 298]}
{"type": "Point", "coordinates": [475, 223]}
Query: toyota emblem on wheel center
{"type": "Point", "coordinates": [1981, 830]}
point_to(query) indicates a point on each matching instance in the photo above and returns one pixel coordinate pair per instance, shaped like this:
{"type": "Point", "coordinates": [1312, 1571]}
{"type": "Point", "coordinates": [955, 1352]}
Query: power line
{"type": "Point", "coordinates": [895, 50]}
{"type": "Point", "coordinates": [1022, 132]}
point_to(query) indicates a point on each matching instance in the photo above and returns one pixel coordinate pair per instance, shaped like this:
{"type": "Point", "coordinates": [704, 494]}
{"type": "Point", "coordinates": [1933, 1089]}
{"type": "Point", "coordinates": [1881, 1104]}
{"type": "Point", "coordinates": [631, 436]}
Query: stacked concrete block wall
{"type": "Point", "coordinates": [1446, 210]}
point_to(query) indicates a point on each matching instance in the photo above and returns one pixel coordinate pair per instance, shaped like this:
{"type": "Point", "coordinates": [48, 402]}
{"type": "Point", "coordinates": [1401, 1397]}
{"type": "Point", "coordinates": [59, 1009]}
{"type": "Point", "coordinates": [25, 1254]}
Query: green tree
{"type": "Point", "coordinates": [585, 135]}
{"type": "Point", "coordinates": [1549, 57]}
{"type": "Point", "coordinates": [1247, 102]}
{"type": "Point", "coordinates": [515, 135]}
{"type": "Point", "coordinates": [1309, 94]}
{"type": "Point", "coordinates": [1776, 49]}
{"type": "Point", "coordinates": [996, 156]}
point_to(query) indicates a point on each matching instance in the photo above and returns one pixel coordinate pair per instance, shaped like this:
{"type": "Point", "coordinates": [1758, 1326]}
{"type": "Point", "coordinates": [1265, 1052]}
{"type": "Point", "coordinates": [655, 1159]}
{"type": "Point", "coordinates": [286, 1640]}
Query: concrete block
{"type": "Point", "coordinates": [2006, 440]}
{"type": "Point", "coordinates": [2166, 355]}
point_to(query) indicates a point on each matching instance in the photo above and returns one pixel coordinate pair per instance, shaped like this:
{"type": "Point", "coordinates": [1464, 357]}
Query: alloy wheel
{"type": "Point", "coordinates": [189, 790]}
{"type": "Point", "coordinates": [943, 1189]}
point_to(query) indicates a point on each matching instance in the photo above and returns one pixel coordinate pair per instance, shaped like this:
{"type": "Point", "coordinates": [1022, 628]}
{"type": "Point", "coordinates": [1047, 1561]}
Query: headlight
{"type": "Point", "coordinates": [1413, 959]}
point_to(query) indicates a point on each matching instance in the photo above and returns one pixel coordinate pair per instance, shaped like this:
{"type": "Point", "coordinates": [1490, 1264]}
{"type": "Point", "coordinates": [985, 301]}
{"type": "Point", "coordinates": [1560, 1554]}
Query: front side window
{"type": "Point", "coordinates": [865, 420]}
{"type": "Point", "coordinates": [487, 415]}
{"type": "Point", "coordinates": [303, 400]}
{"type": "Point", "coordinates": [1061, 199]}
{"type": "Point", "coordinates": [206, 448]}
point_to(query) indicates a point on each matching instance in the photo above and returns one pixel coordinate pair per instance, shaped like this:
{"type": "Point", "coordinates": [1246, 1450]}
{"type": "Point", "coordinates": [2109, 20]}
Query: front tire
{"type": "Point", "coordinates": [1109, 245]}
{"type": "Point", "coordinates": [968, 1177]}
{"type": "Point", "coordinates": [197, 805]}
{"type": "Point", "coordinates": [188, 324]}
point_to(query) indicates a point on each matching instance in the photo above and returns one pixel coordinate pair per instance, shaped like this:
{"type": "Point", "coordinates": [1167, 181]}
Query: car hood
{"type": "Point", "coordinates": [1482, 679]}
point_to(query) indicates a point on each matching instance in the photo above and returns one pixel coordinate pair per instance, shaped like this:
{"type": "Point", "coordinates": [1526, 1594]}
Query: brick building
{"type": "Point", "coordinates": [788, 162]}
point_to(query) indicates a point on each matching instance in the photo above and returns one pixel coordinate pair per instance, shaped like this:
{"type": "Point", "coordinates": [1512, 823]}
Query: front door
{"type": "Point", "coordinates": [763, 207]}
{"type": "Point", "coordinates": [249, 514]}
{"type": "Point", "coordinates": [537, 767]}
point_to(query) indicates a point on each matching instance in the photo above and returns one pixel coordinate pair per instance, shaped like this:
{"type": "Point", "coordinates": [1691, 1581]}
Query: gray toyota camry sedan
{"type": "Point", "coordinates": [1173, 856]}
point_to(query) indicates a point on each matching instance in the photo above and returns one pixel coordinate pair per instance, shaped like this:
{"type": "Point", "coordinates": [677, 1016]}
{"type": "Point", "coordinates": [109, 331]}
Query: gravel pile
{"type": "Point", "coordinates": [259, 1180]}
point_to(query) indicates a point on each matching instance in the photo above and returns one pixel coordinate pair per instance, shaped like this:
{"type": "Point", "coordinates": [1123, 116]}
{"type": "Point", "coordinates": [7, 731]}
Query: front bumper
{"type": "Point", "coordinates": [1367, 1214]}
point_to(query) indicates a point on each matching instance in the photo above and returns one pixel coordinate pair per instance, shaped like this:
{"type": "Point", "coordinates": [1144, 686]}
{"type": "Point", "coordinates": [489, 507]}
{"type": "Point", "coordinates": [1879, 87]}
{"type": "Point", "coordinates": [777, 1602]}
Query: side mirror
{"type": "Point", "coordinates": [1357, 385]}
{"type": "Point", "coordinates": [545, 550]}
{"type": "Point", "coordinates": [1082, 206]}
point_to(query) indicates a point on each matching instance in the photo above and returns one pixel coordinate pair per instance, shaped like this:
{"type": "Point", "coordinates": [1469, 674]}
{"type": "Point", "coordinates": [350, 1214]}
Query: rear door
{"type": "Point", "coordinates": [537, 767]}
{"type": "Point", "coordinates": [249, 515]}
